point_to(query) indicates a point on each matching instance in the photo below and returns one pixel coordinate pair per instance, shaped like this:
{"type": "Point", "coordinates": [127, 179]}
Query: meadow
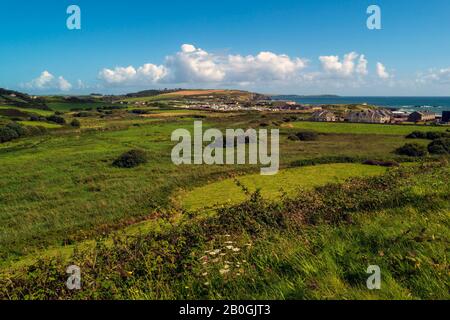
{"type": "Point", "coordinates": [60, 191]}
{"type": "Point", "coordinates": [364, 128]}
{"type": "Point", "coordinates": [61, 187]}
{"type": "Point", "coordinates": [287, 182]}
{"type": "Point", "coordinates": [311, 246]}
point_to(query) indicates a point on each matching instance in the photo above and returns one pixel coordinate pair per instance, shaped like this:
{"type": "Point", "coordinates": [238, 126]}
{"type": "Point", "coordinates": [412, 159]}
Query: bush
{"type": "Point", "coordinates": [35, 130]}
{"type": "Point", "coordinates": [440, 146]}
{"type": "Point", "coordinates": [56, 119]}
{"type": "Point", "coordinates": [83, 114]}
{"type": "Point", "coordinates": [427, 135]}
{"type": "Point", "coordinates": [17, 128]}
{"type": "Point", "coordinates": [381, 163]}
{"type": "Point", "coordinates": [417, 135]}
{"type": "Point", "coordinates": [307, 135]}
{"type": "Point", "coordinates": [7, 134]}
{"type": "Point", "coordinates": [412, 150]}
{"type": "Point", "coordinates": [75, 123]}
{"type": "Point", "coordinates": [131, 159]}
{"type": "Point", "coordinates": [140, 111]}
{"type": "Point", "coordinates": [434, 135]}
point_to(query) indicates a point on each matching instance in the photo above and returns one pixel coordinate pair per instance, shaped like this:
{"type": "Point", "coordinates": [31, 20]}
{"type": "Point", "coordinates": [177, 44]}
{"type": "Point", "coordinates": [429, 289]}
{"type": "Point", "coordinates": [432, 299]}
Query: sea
{"type": "Point", "coordinates": [432, 104]}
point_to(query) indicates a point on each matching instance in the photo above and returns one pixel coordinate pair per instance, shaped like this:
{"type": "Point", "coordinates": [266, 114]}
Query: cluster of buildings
{"type": "Point", "coordinates": [380, 116]}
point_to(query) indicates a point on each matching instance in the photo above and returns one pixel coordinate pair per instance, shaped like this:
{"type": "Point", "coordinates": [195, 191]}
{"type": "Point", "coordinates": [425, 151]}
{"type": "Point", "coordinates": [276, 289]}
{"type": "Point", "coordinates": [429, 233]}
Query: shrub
{"type": "Point", "coordinates": [412, 150]}
{"type": "Point", "coordinates": [7, 134]}
{"type": "Point", "coordinates": [83, 114]}
{"type": "Point", "coordinates": [75, 123]}
{"type": "Point", "coordinates": [307, 135]}
{"type": "Point", "coordinates": [434, 135]}
{"type": "Point", "coordinates": [427, 135]}
{"type": "Point", "coordinates": [35, 130]}
{"type": "Point", "coordinates": [140, 111]}
{"type": "Point", "coordinates": [131, 159]}
{"type": "Point", "coordinates": [293, 137]}
{"type": "Point", "coordinates": [17, 128]}
{"type": "Point", "coordinates": [56, 119]}
{"type": "Point", "coordinates": [381, 163]}
{"type": "Point", "coordinates": [417, 135]}
{"type": "Point", "coordinates": [440, 146]}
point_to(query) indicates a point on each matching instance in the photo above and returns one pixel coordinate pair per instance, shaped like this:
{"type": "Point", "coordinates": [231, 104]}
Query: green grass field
{"type": "Point", "coordinates": [40, 112]}
{"type": "Point", "coordinates": [60, 190]}
{"type": "Point", "coordinates": [259, 250]}
{"type": "Point", "coordinates": [41, 124]}
{"type": "Point", "coordinates": [363, 128]}
{"type": "Point", "coordinates": [65, 106]}
{"type": "Point", "coordinates": [289, 181]}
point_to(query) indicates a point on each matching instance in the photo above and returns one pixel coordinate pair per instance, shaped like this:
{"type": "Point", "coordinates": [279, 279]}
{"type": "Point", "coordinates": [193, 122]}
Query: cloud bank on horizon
{"type": "Point", "coordinates": [196, 67]}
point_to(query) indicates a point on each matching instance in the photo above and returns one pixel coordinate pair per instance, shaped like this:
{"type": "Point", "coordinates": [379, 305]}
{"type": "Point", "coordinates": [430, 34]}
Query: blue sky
{"type": "Point", "coordinates": [299, 47]}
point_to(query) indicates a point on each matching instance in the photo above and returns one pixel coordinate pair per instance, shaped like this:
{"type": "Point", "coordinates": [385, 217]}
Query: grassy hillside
{"type": "Point", "coordinates": [61, 187]}
{"type": "Point", "coordinates": [242, 96]}
{"type": "Point", "coordinates": [14, 98]}
{"type": "Point", "coordinates": [312, 246]}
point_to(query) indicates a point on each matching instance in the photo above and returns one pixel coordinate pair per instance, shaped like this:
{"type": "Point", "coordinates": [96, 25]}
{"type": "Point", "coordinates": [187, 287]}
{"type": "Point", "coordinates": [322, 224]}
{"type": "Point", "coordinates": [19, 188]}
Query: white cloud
{"type": "Point", "coordinates": [265, 66]}
{"type": "Point", "coordinates": [195, 65]}
{"type": "Point", "coordinates": [362, 66]}
{"type": "Point", "coordinates": [146, 74]}
{"type": "Point", "coordinates": [46, 80]}
{"type": "Point", "coordinates": [346, 67]}
{"type": "Point", "coordinates": [436, 76]}
{"type": "Point", "coordinates": [63, 84]}
{"type": "Point", "coordinates": [382, 73]}
{"type": "Point", "coordinates": [42, 81]}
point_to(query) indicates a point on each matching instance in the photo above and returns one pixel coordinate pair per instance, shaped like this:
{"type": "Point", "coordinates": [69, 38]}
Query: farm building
{"type": "Point", "coordinates": [399, 116]}
{"type": "Point", "coordinates": [421, 116]}
{"type": "Point", "coordinates": [324, 116]}
{"type": "Point", "coordinates": [370, 116]}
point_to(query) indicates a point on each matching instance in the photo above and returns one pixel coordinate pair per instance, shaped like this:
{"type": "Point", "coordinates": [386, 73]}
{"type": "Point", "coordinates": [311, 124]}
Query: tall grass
{"type": "Point", "coordinates": [316, 245]}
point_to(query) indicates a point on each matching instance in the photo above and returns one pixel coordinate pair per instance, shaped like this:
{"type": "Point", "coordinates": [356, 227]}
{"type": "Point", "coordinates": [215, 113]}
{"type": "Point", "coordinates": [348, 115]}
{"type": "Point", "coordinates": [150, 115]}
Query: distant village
{"type": "Point", "coordinates": [381, 116]}
{"type": "Point", "coordinates": [322, 113]}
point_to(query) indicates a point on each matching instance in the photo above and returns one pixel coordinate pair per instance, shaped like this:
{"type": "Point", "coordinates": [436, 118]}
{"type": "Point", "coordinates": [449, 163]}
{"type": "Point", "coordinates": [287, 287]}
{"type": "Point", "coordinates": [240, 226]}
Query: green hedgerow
{"type": "Point", "coordinates": [412, 150]}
